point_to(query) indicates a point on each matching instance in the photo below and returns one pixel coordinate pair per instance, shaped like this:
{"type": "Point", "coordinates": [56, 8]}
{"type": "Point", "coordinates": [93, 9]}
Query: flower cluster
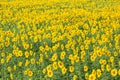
{"type": "Point", "coordinates": [60, 40]}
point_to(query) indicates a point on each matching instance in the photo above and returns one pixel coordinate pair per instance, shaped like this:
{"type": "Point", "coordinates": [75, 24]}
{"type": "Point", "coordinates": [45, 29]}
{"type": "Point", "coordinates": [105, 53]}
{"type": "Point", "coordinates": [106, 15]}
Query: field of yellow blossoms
{"type": "Point", "coordinates": [59, 39]}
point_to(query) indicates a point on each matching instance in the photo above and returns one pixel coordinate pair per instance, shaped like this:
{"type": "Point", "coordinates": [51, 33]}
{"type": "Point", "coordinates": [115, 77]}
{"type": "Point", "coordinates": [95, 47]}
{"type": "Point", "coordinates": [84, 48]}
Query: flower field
{"type": "Point", "coordinates": [59, 40]}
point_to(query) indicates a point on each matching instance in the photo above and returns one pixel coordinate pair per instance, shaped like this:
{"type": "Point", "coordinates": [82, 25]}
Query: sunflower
{"type": "Point", "coordinates": [44, 71]}
{"type": "Point", "coordinates": [55, 65]}
{"type": "Point", "coordinates": [14, 67]}
{"type": "Point", "coordinates": [50, 73]}
{"type": "Point", "coordinates": [26, 54]}
{"type": "Point", "coordinates": [30, 73]}
{"type": "Point", "coordinates": [64, 70]}
{"type": "Point", "coordinates": [71, 68]}
{"type": "Point", "coordinates": [119, 72]}
{"type": "Point", "coordinates": [86, 76]}
{"type": "Point", "coordinates": [108, 68]}
{"type": "Point", "coordinates": [9, 69]}
{"type": "Point", "coordinates": [20, 53]}
{"type": "Point", "coordinates": [49, 68]}
{"type": "Point", "coordinates": [32, 61]}
{"type": "Point", "coordinates": [2, 61]}
{"type": "Point", "coordinates": [60, 64]}
{"type": "Point", "coordinates": [54, 57]}
{"type": "Point", "coordinates": [75, 77]}
{"type": "Point", "coordinates": [2, 54]}
{"type": "Point", "coordinates": [25, 72]}
{"type": "Point", "coordinates": [98, 73]}
{"type": "Point", "coordinates": [62, 55]}
{"type": "Point", "coordinates": [114, 72]}
{"type": "Point", "coordinates": [85, 68]}
{"type": "Point", "coordinates": [92, 77]}
{"type": "Point", "coordinates": [20, 64]}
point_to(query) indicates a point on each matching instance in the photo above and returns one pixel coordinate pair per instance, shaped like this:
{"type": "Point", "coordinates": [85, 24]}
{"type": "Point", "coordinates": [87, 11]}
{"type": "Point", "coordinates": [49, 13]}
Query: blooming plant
{"type": "Point", "coordinates": [59, 39]}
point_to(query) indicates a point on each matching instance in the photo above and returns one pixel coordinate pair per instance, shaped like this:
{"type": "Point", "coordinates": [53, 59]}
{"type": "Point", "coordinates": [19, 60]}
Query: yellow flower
{"type": "Point", "coordinates": [25, 72]}
{"type": "Point", "coordinates": [114, 72]}
{"type": "Point", "coordinates": [99, 53]}
{"type": "Point", "coordinates": [94, 72]}
{"type": "Point", "coordinates": [72, 61]}
{"type": "Point", "coordinates": [44, 71]}
{"type": "Point", "coordinates": [101, 61]}
{"type": "Point", "coordinates": [119, 72]}
{"type": "Point", "coordinates": [47, 48]}
{"type": "Point", "coordinates": [92, 58]}
{"type": "Point", "coordinates": [32, 61]}
{"type": "Point", "coordinates": [82, 47]}
{"type": "Point", "coordinates": [7, 44]}
{"type": "Point", "coordinates": [26, 46]}
{"type": "Point", "coordinates": [86, 76]}
{"type": "Point", "coordinates": [2, 54]}
{"type": "Point", "coordinates": [62, 55]}
{"type": "Point", "coordinates": [70, 56]}
{"type": "Point", "coordinates": [86, 47]}
{"type": "Point", "coordinates": [30, 79]}
{"type": "Point", "coordinates": [71, 69]}
{"type": "Point", "coordinates": [60, 64]}
{"type": "Point", "coordinates": [35, 39]}
{"type": "Point", "coordinates": [75, 77]}
{"type": "Point", "coordinates": [50, 73]}
{"type": "Point", "coordinates": [55, 65]}
{"type": "Point", "coordinates": [20, 53]}
{"type": "Point", "coordinates": [85, 68]}
{"type": "Point", "coordinates": [20, 64]}
{"type": "Point", "coordinates": [108, 53]}
{"type": "Point", "coordinates": [98, 73]}
{"type": "Point", "coordinates": [115, 54]}
{"type": "Point", "coordinates": [41, 48]}
{"type": "Point", "coordinates": [31, 52]}
{"type": "Point", "coordinates": [48, 67]}
{"type": "Point", "coordinates": [9, 69]}
{"type": "Point", "coordinates": [108, 67]}
{"type": "Point", "coordinates": [26, 54]}
{"type": "Point", "coordinates": [93, 30]}
{"type": "Point", "coordinates": [102, 67]}
{"type": "Point", "coordinates": [8, 57]}
{"type": "Point", "coordinates": [14, 67]}
{"type": "Point", "coordinates": [62, 46]}
{"type": "Point", "coordinates": [2, 61]}
{"type": "Point", "coordinates": [31, 46]}
{"type": "Point", "coordinates": [54, 57]}
{"type": "Point", "coordinates": [119, 63]}
{"type": "Point", "coordinates": [76, 58]}
{"type": "Point", "coordinates": [64, 70]}
{"type": "Point", "coordinates": [30, 73]}
{"type": "Point", "coordinates": [92, 77]}
{"type": "Point", "coordinates": [112, 59]}
{"type": "Point", "coordinates": [54, 40]}
{"type": "Point", "coordinates": [104, 62]}
{"type": "Point", "coordinates": [11, 76]}
{"type": "Point", "coordinates": [27, 62]}
{"type": "Point", "coordinates": [82, 58]}
{"type": "Point", "coordinates": [86, 26]}
{"type": "Point", "coordinates": [41, 59]}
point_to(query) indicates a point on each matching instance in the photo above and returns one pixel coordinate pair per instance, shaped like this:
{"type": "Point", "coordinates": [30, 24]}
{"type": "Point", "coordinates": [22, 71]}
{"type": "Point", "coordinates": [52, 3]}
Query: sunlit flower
{"type": "Point", "coordinates": [30, 73]}
{"type": "Point", "coordinates": [50, 73]}
{"type": "Point", "coordinates": [98, 73]}
{"type": "Point", "coordinates": [85, 68]}
{"type": "Point", "coordinates": [55, 66]}
{"type": "Point", "coordinates": [71, 69]}
{"type": "Point", "coordinates": [75, 77]}
{"type": "Point", "coordinates": [92, 77]}
{"type": "Point", "coordinates": [60, 64]}
{"type": "Point", "coordinates": [114, 72]}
